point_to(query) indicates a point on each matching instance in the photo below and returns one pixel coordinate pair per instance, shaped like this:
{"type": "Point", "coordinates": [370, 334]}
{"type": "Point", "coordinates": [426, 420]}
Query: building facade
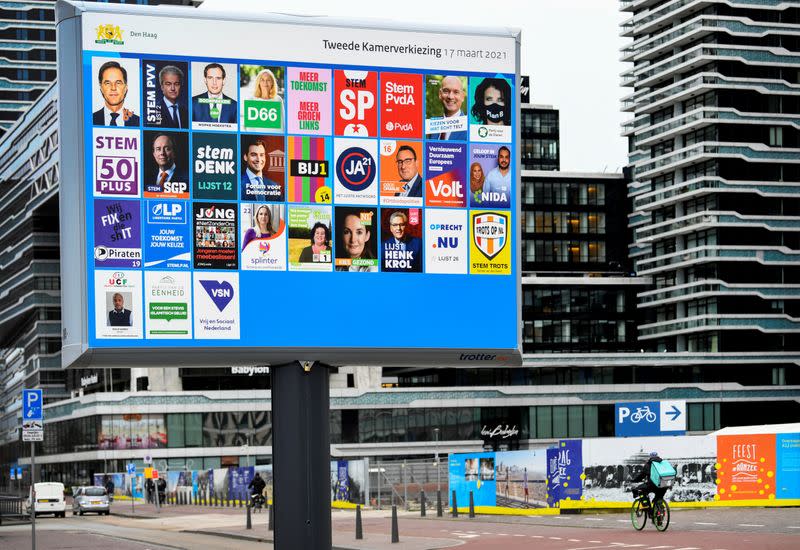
{"type": "Point", "coordinates": [715, 149]}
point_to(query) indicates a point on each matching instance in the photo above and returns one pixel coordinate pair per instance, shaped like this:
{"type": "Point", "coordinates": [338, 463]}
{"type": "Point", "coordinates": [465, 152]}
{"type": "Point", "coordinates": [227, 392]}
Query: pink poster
{"type": "Point", "coordinates": [309, 92]}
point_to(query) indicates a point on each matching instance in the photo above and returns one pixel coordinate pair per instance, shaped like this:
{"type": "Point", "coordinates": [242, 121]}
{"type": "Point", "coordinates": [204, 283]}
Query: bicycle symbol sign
{"type": "Point", "coordinates": [650, 418]}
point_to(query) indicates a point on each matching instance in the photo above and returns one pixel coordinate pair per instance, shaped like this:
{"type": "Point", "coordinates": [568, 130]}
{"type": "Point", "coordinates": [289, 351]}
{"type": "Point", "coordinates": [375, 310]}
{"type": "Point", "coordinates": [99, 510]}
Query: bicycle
{"type": "Point", "coordinates": [657, 511]}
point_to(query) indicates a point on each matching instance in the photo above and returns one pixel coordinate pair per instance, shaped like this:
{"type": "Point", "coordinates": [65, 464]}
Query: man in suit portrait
{"type": "Point", "coordinates": [164, 155]}
{"type": "Point", "coordinates": [213, 105]}
{"type": "Point", "coordinates": [173, 114]}
{"type": "Point", "coordinates": [113, 80]}
{"type": "Point", "coordinates": [451, 94]}
{"type": "Point", "coordinates": [406, 159]}
{"type": "Point", "coordinates": [401, 251]}
{"type": "Point", "coordinates": [119, 316]}
{"type": "Point", "coordinates": [255, 185]}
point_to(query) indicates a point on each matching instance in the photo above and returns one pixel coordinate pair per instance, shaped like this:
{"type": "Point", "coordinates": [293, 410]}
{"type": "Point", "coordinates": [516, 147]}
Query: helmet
{"type": "Point", "coordinates": [653, 453]}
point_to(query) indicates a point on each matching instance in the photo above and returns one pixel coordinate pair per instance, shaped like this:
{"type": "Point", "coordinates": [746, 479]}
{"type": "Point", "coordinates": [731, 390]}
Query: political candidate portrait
{"type": "Point", "coordinates": [120, 316]}
{"type": "Point", "coordinates": [213, 105]}
{"type": "Point", "coordinates": [174, 114]}
{"type": "Point", "coordinates": [492, 102]}
{"type": "Point", "coordinates": [451, 94]}
{"type": "Point", "coordinates": [263, 228]}
{"type": "Point", "coordinates": [113, 80]}
{"type": "Point", "coordinates": [498, 180]}
{"type": "Point", "coordinates": [355, 240]}
{"type": "Point", "coordinates": [320, 248]}
{"type": "Point", "coordinates": [406, 160]}
{"type": "Point", "coordinates": [165, 167]}
{"type": "Point", "coordinates": [401, 252]}
{"type": "Point", "coordinates": [255, 184]}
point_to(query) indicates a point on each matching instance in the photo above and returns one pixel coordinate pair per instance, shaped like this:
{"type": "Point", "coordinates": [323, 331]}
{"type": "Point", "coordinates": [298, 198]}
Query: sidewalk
{"type": "Point", "coordinates": [231, 523]}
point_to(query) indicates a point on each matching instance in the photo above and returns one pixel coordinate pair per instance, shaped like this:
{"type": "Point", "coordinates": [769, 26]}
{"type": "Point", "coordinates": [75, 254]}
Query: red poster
{"type": "Point", "coordinates": [356, 108]}
{"type": "Point", "coordinates": [401, 105]}
{"type": "Point", "coordinates": [745, 467]}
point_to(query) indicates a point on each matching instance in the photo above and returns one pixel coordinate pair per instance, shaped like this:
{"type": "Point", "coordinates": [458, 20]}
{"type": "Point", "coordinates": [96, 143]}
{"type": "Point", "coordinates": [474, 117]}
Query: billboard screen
{"type": "Point", "coordinates": [348, 195]}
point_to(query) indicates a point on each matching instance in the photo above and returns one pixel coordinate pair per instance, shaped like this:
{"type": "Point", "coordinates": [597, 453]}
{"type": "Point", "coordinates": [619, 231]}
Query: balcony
{"type": "Point", "coordinates": [700, 323]}
{"type": "Point", "coordinates": [699, 221]}
{"type": "Point", "coordinates": [716, 287]}
{"type": "Point", "coordinates": [778, 255]}
{"type": "Point", "coordinates": [706, 185]}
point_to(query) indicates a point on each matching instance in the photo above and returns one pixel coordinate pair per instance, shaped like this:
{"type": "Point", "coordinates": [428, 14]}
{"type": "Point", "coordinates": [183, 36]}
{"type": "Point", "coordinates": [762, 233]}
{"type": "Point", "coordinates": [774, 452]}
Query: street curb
{"type": "Point", "coordinates": [254, 538]}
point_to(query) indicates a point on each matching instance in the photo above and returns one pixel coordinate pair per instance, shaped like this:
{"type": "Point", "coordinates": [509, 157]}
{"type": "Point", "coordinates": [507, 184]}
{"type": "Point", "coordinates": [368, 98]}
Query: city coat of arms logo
{"type": "Point", "coordinates": [490, 232]}
{"type": "Point", "coordinates": [109, 34]}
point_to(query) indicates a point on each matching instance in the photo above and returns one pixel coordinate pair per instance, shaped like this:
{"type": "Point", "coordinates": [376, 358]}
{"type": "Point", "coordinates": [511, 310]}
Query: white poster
{"type": "Point", "coordinates": [168, 302]}
{"type": "Point", "coordinates": [118, 304]}
{"type": "Point", "coordinates": [216, 303]}
{"type": "Point", "coordinates": [356, 171]}
{"type": "Point", "coordinates": [446, 241]}
{"type": "Point", "coordinates": [263, 236]}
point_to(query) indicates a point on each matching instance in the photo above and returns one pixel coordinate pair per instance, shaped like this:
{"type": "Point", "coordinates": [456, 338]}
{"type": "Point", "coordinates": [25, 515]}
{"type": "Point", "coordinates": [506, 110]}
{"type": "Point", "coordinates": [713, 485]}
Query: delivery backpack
{"type": "Point", "coordinates": [662, 474]}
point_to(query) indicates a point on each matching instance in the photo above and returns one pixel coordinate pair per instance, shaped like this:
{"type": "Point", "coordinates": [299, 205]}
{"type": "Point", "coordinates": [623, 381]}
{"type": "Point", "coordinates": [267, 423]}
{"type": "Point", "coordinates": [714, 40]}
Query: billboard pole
{"type": "Point", "coordinates": [301, 455]}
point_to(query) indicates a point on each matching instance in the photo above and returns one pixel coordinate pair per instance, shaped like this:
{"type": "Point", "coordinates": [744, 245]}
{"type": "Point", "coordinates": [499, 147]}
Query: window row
{"type": "Point", "coordinates": [573, 300]}
{"type": "Point", "coordinates": [559, 331]}
{"type": "Point", "coordinates": [564, 222]}
{"type": "Point", "coordinates": [565, 251]}
{"type": "Point", "coordinates": [579, 193]}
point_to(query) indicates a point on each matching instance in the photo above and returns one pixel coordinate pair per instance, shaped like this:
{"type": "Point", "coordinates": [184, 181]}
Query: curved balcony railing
{"type": "Point", "coordinates": [712, 184]}
{"type": "Point", "coordinates": [759, 322]}
{"type": "Point", "coordinates": [715, 287]}
{"type": "Point", "coordinates": [696, 221]}
{"type": "Point", "coordinates": [717, 253]}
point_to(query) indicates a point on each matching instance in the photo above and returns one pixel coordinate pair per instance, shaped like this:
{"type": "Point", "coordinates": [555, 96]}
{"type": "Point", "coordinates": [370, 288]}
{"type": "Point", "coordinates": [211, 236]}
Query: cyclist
{"type": "Point", "coordinates": [257, 484]}
{"type": "Point", "coordinates": [648, 486]}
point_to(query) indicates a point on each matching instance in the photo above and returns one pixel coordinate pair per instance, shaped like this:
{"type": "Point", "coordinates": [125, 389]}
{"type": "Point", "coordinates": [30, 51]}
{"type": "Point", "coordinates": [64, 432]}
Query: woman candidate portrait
{"type": "Point", "coordinates": [355, 242]}
{"type": "Point", "coordinates": [492, 102]}
{"type": "Point", "coordinates": [320, 248]}
{"type": "Point", "coordinates": [476, 177]}
{"type": "Point", "coordinates": [262, 226]}
{"type": "Point", "coordinates": [264, 86]}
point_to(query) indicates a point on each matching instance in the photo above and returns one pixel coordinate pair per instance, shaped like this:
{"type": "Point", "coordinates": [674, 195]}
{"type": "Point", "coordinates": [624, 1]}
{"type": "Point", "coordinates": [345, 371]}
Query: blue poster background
{"type": "Point", "coordinates": [464, 479]}
{"type": "Point", "coordinates": [787, 474]}
{"type": "Point", "coordinates": [564, 469]}
{"type": "Point", "coordinates": [238, 480]}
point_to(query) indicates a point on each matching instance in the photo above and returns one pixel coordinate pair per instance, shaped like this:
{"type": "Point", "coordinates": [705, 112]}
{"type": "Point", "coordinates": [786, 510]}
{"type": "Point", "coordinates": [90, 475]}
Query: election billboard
{"type": "Point", "coordinates": [348, 195]}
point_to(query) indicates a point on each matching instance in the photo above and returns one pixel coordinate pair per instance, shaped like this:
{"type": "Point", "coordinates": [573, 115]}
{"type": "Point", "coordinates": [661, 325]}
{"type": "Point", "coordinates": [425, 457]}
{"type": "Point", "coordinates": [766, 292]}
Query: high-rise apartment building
{"type": "Point", "coordinates": [714, 143]}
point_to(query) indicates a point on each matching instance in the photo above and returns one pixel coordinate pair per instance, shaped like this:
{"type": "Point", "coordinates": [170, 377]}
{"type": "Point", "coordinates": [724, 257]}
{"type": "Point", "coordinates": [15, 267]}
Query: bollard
{"type": "Point", "coordinates": [269, 520]}
{"type": "Point", "coordinates": [214, 500]}
{"type": "Point", "coordinates": [395, 530]}
{"type": "Point", "coordinates": [359, 527]}
{"type": "Point", "coordinates": [471, 505]}
{"type": "Point", "coordinates": [438, 503]}
{"type": "Point", "coordinates": [455, 505]}
{"type": "Point", "coordinates": [422, 504]}
{"type": "Point", "coordinates": [249, 519]}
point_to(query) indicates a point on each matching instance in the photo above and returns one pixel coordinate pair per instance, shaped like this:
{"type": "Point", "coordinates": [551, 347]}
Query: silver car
{"type": "Point", "coordinates": [90, 499]}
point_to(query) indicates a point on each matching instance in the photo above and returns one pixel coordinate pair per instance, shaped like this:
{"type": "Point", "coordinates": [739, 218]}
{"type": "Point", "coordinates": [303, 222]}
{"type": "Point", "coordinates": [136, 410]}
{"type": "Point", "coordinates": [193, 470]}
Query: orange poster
{"type": "Point", "coordinates": [745, 467]}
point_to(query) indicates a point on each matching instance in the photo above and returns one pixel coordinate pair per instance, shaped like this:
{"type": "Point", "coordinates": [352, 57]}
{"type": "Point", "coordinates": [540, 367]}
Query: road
{"type": "Point", "coordinates": [201, 529]}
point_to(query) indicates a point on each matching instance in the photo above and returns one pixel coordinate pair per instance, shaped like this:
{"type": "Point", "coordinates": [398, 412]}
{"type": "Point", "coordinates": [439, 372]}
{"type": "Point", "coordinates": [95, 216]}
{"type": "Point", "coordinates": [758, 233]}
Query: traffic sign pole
{"type": "Point", "coordinates": [33, 495]}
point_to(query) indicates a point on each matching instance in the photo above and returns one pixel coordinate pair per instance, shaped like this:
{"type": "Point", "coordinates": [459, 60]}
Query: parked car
{"type": "Point", "coordinates": [90, 499]}
{"type": "Point", "coordinates": [49, 499]}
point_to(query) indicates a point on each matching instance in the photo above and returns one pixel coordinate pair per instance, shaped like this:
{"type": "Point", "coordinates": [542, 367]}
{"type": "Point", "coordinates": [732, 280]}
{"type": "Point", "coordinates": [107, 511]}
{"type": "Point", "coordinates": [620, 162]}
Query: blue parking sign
{"type": "Point", "coordinates": [131, 468]}
{"type": "Point", "coordinates": [32, 405]}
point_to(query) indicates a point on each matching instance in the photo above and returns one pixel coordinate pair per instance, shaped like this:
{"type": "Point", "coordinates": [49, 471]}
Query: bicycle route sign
{"type": "Point", "coordinates": [643, 418]}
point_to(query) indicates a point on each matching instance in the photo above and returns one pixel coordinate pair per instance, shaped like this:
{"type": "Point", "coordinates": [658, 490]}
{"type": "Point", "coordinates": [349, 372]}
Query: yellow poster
{"type": "Point", "coordinates": [490, 242]}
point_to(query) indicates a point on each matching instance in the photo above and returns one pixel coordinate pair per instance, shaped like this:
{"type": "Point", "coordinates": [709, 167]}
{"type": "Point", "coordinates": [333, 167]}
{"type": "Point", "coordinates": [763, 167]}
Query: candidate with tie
{"type": "Point", "coordinates": [168, 170]}
{"type": "Point", "coordinates": [173, 113]}
{"type": "Point", "coordinates": [113, 80]}
{"type": "Point", "coordinates": [213, 105]}
{"type": "Point", "coordinates": [255, 185]}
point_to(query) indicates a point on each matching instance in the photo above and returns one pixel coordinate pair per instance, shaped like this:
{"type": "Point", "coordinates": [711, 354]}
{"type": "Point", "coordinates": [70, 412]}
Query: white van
{"type": "Point", "coordinates": [49, 499]}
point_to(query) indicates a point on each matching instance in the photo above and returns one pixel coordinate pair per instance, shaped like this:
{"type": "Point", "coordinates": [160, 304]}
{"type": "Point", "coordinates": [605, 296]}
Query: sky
{"type": "Point", "coordinates": [570, 49]}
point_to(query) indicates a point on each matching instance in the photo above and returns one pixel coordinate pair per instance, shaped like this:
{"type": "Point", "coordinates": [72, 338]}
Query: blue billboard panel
{"type": "Point", "coordinates": [205, 178]}
{"type": "Point", "coordinates": [473, 472]}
